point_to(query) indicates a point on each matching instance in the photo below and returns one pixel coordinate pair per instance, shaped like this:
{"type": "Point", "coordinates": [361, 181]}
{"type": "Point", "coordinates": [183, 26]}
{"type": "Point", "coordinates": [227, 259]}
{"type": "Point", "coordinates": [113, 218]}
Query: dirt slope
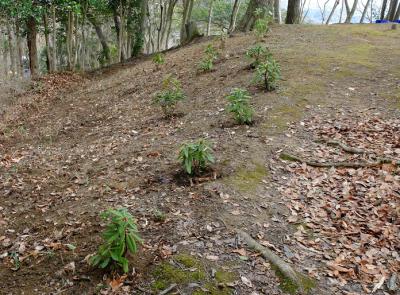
{"type": "Point", "coordinates": [101, 143]}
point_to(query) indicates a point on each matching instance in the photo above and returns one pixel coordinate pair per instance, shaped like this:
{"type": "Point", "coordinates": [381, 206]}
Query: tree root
{"type": "Point", "coordinates": [357, 164]}
{"type": "Point", "coordinates": [297, 281]}
{"type": "Point", "coordinates": [345, 147]}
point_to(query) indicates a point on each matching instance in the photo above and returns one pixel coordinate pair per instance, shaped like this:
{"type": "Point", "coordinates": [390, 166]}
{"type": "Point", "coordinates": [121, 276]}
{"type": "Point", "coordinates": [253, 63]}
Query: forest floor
{"type": "Point", "coordinates": [76, 145]}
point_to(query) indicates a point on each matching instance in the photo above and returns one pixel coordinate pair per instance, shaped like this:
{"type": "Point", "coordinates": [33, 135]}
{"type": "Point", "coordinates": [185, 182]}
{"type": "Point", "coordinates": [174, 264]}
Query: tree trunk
{"type": "Point", "coordinates": [19, 49]}
{"type": "Point", "coordinates": [383, 9]}
{"type": "Point", "coordinates": [351, 12]}
{"type": "Point", "coordinates": [277, 11]}
{"type": "Point", "coordinates": [293, 12]}
{"type": "Point", "coordinates": [249, 18]}
{"type": "Point", "coordinates": [54, 38]}
{"type": "Point", "coordinates": [70, 23]}
{"type": "Point", "coordinates": [392, 10]}
{"type": "Point", "coordinates": [189, 29]}
{"type": "Point", "coordinates": [397, 14]}
{"type": "Point", "coordinates": [49, 51]}
{"type": "Point", "coordinates": [210, 17]}
{"type": "Point", "coordinates": [5, 61]}
{"type": "Point", "coordinates": [333, 11]}
{"type": "Point", "coordinates": [11, 49]}
{"type": "Point", "coordinates": [235, 10]}
{"type": "Point", "coordinates": [102, 38]}
{"type": "Point", "coordinates": [32, 46]}
{"type": "Point", "coordinates": [364, 13]}
{"type": "Point", "coordinates": [167, 23]}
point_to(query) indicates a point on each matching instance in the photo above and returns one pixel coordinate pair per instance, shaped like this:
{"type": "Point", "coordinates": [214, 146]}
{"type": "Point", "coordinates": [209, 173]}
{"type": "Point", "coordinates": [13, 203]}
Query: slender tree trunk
{"type": "Point", "coordinates": [383, 9]}
{"type": "Point", "coordinates": [5, 61]}
{"type": "Point", "coordinates": [333, 11]}
{"type": "Point", "coordinates": [32, 46]}
{"type": "Point", "coordinates": [350, 13]}
{"type": "Point", "coordinates": [54, 38]}
{"type": "Point", "coordinates": [277, 11]}
{"type": "Point", "coordinates": [210, 10]}
{"type": "Point", "coordinates": [69, 41]}
{"type": "Point", "coordinates": [101, 36]}
{"type": "Point", "coordinates": [392, 10]}
{"type": "Point", "coordinates": [19, 49]}
{"type": "Point", "coordinates": [160, 26]}
{"type": "Point", "coordinates": [397, 14]}
{"type": "Point", "coordinates": [293, 12]}
{"type": "Point", "coordinates": [11, 49]}
{"type": "Point", "coordinates": [189, 29]}
{"type": "Point", "coordinates": [167, 23]}
{"type": "Point", "coordinates": [49, 51]}
{"type": "Point", "coordinates": [364, 13]}
{"type": "Point", "coordinates": [76, 42]}
{"type": "Point", "coordinates": [235, 10]}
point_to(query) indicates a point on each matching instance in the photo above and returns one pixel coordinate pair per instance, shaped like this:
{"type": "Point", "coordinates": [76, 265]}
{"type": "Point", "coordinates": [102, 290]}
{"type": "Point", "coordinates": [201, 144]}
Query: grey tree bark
{"type": "Point", "coordinates": [293, 12]}
{"type": "Point", "coordinates": [101, 36]}
{"type": "Point", "coordinates": [392, 10]}
{"type": "Point", "coordinates": [235, 10]}
{"type": "Point", "coordinates": [32, 46]}
{"type": "Point", "coordinates": [189, 29]}
{"type": "Point", "coordinates": [383, 9]}
{"type": "Point", "coordinates": [249, 18]}
{"type": "Point", "coordinates": [210, 10]}
{"type": "Point", "coordinates": [333, 11]}
{"type": "Point", "coordinates": [11, 49]}
{"type": "Point", "coordinates": [364, 13]}
{"type": "Point", "coordinates": [277, 12]}
{"type": "Point", "coordinates": [350, 12]}
{"type": "Point", "coordinates": [19, 49]}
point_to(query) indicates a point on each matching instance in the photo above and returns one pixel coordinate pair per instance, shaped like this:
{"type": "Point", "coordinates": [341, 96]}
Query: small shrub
{"type": "Point", "coordinates": [240, 107]}
{"type": "Point", "coordinates": [158, 59]}
{"type": "Point", "coordinates": [170, 95]}
{"type": "Point", "coordinates": [268, 73]}
{"type": "Point", "coordinates": [159, 216]}
{"type": "Point", "coordinates": [195, 156]}
{"type": "Point", "coordinates": [120, 237]}
{"type": "Point", "coordinates": [261, 25]}
{"type": "Point", "coordinates": [207, 63]}
{"type": "Point", "coordinates": [258, 54]}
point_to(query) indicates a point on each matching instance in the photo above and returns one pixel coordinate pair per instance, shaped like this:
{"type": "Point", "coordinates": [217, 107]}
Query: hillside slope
{"type": "Point", "coordinates": [101, 143]}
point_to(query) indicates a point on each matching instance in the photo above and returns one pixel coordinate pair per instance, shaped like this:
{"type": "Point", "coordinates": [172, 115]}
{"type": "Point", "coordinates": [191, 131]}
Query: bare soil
{"type": "Point", "coordinates": [97, 141]}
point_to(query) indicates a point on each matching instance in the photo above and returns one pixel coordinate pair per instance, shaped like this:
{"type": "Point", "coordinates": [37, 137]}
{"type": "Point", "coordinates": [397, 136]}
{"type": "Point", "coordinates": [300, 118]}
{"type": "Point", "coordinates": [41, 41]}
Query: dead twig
{"type": "Point", "coordinates": [356, 164]}
{"type": "Point", "coordinates": [169, 289]}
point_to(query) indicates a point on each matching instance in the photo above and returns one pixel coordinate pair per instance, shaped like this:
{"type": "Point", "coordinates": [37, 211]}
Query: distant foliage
{"type": "Point", "coordinates": [207, 63]}
{"type": "Point", "coordinates": [170, 95]}
{"type": "Point", "coordinates": [195, 156]}
{"type": "Point", "coordinates": [261, 25]}
{"type": "Point", "coordinates": [158, 59]}
{"type": "Point", "coordinates": [240, 107]}
{"type": "Point", "coordinates": [258, 53]}
{"type": "Point", "coordinates": [120, 238]}
{"type": "Point", "coordinates": [268, 74]}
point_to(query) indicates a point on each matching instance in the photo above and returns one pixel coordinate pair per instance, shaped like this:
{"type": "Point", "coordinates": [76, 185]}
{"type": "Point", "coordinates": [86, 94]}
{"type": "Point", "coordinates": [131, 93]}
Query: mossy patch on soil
{"type": "Point", "coordinates": [190, 269]}
{"type": "Point", "coordinates": [248, 179]}
{"type": "Point", "coordinates": [288, 286]}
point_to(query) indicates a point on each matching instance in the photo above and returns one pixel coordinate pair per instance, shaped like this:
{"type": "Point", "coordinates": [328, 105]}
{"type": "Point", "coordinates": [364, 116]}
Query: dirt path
{"type": "Point", "coordinates": [104, 144]}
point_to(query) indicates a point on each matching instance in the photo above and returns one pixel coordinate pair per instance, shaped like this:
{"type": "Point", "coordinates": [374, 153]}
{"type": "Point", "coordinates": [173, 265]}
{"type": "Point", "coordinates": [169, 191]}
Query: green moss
{"type": "Point", "coordinates": [248, 180]}
{"type": "Point", "coordinates": [288, 286]}
{"type": "Point", "coordinates": [225, 277]}
{"type": "Point", "coordinates": [192, 271]}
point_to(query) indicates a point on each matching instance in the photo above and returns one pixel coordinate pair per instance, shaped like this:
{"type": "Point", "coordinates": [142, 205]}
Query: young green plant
{"type": "Point", "coordinates": [158, 60]}
{"type": "Point", "coordinates": [239, 106]}
{"type": "Point", "coordinates": [261, 25]}
{"type": "Point", "coordinates": [170, 95]}
{"type": "Point", "coordinates": [195, 156]}
{"type": "Point", "coordinates": [207, 63]}
{"type": "Point", "coordinates": [268, 74]}
{"type": "Point", "coordinates": [120, 238]}
{"type": "Point", "coordinates": [258, 53]}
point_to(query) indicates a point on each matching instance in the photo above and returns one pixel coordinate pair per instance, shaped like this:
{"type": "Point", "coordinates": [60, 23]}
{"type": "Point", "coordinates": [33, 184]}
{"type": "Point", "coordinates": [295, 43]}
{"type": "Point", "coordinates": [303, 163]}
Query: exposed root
{"type": "Point", "coordinates": [345, 147]}
{"type": "Point", "coordinates": [300, 281]}
{"type": "Point", "coordinates": [356, 164]}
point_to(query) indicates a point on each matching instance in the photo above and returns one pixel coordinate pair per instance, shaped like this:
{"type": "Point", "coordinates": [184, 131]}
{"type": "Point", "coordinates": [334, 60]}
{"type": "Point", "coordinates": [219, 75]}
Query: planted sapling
{"type": "Point", "coordinates": [195, 156]}
{"type": "Point", "coordinates": [207, 63]}
{"type": "Point", "coordinates": [261, 25]}
{"type": "Point", "coordinates": [239, 106]}
{"type": "Point", "coordinates": [268, 73]}
{"type": "Point", "coordinates": [170, 95]}
{"type": "Point", "coordinates": [258, 53]}
{"type": "Point", "coordinates": [158, 59]}
{"type": "Point", "coordinates": [120, 238]}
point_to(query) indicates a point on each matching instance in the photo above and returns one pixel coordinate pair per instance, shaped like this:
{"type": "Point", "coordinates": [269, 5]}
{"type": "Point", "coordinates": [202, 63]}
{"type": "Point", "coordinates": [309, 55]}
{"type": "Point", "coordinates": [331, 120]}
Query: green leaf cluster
{"type": "Point", "coordinates": [240, 107]}
{"type": "Point", "coordinates": [170, 95]}
{"type": "Point", "coordinates": [258, 53]}
{"type": "Point", "coordinates": [207, 63]}
{"type": "Point", "coordinates": [268, 73]}
{"type": "Point", "coordinates": [261, 25]}
{"type": "Point", "coordinates": [195, 156]}
{"type": "Point", "coordinates": [158, 58]}
{"type": "Point", "coordinates": [120, 238]}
